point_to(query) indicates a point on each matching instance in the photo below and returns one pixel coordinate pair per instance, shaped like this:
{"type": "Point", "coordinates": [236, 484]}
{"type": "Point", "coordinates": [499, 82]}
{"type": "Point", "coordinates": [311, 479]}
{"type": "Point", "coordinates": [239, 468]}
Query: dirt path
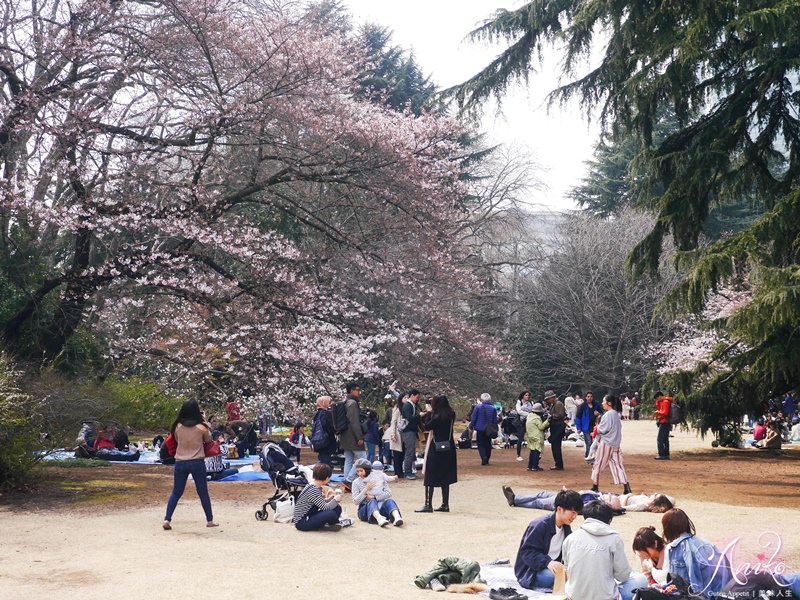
{"type": "Point", "coordinates": [110, 543]}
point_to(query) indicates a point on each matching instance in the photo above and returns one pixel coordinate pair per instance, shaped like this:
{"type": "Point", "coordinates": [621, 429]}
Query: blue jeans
{"type": "Point", "coordinates": [542, 501]}
{"type": "Point", "coordinates": [587, 441]}
{"type": "Point", "coordinates": [371, 451]}
{"type": "Point", "coordinates": [385, 454]}
{"type": "Point", "coordinates": [544, 579]}
{"type": "Point", "coordinates": [626, 588]}
{"type": "Point", "coordinates": [366, 509]}
{"type": "Point", "coordinates": [350, 458]}
{"type": "Point", "coordinates": [317, 519]}
{"type": "Point", "coordinates": [197, 469]}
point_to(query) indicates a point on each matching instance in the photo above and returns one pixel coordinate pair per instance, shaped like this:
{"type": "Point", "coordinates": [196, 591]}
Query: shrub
{"type": "Point", "coordinates": [19, 437]}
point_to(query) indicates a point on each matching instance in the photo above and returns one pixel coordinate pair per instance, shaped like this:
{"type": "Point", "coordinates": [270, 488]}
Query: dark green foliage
{"type": "Point", "coordinates": [607, 188]}
{"type": "Point", "coordinates": [728, 70]}
{"type": "Point", "coordinates": [393, 76]}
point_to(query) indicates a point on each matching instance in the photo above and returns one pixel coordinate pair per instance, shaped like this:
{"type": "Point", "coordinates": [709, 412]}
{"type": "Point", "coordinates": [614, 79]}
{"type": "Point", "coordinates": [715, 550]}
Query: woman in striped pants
{"type": "Point", "coordinates": [609, 453]}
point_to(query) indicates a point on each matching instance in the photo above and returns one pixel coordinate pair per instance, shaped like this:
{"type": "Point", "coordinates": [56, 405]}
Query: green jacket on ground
{"type": "Point", "coordinates": [451, 569]}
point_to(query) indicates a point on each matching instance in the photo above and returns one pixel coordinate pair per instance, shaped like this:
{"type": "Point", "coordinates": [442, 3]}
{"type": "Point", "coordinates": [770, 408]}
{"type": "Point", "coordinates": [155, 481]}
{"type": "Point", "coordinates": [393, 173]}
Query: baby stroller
{"type": "Point", "coordinates": [509, 431]}
{"type": "Point", "coordinates": [288, 478]}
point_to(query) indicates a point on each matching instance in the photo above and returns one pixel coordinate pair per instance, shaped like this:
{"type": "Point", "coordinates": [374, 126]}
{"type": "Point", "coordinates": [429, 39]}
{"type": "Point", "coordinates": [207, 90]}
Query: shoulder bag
{"type": "Point", "coordinates": [492, 430]}
{"type": "Point", "coordinates": [211, 449]}
{"type": "Point", "coordinates": [445, 445]}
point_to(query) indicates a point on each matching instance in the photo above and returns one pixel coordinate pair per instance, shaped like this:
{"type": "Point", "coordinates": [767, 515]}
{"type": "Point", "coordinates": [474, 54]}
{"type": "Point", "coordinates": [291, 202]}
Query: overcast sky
{"type": "Point", "coordinates": [435, 29]}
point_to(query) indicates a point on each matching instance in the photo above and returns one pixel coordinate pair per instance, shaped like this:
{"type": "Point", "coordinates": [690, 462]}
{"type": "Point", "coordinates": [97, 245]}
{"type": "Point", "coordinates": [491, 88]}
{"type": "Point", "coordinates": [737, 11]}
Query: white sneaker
{"type": "Point", "coordinates": [383, 521]}
{"type": "Point", "coordinates": [519, 459]}
{"type": "Point", "coordinates": [398, 522]}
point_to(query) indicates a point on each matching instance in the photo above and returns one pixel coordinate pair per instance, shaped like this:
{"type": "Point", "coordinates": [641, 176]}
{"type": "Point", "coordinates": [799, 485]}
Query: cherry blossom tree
{"type": "Point", "coordinates": [198, 183]}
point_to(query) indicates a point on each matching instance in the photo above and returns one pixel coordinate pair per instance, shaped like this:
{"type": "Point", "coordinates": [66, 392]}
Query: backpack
{"type": "Point", "coordinates": [364, 420]}
{"type": "Point", "coordinates": [492, 430]}
{"type": "Point", "coordinates": [675, 416]}
{"type": "Point", "coordinates": [339, 417]}
{"type": "Point", "coordinates": [319, 437]}
{"type": "Point", "coordinates": [402, 423]}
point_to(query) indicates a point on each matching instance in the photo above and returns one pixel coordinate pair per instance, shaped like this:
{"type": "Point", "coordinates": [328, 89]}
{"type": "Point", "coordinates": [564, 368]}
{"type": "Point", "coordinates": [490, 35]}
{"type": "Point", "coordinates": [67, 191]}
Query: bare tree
{"type": "Point", "coordinates": [587, 323]}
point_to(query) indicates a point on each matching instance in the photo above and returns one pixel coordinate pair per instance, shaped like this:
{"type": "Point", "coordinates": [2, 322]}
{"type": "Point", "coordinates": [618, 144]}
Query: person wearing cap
{"type": "Point", "coordinates": [482, 415]}
{"type": "Point", "coordinates": [558, 428]}
{"type": "Point", "coordinates": [523, 409]}
{"type": "Point", "coordinates": [534, 430]}
{"type": "Point", "coordinates": [372, 496]}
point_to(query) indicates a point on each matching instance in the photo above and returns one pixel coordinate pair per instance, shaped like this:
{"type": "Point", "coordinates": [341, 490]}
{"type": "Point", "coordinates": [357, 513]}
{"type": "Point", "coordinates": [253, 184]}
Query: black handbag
{"type": "Point", "coordinates": [446, 445]}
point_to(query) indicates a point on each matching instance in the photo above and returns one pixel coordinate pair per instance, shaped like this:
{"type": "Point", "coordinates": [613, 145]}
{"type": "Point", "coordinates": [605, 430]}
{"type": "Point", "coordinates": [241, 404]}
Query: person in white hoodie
{"type": "Point", "coordinates": [595, 560]}
{"type": "Point", "coordinates": [608, 452]}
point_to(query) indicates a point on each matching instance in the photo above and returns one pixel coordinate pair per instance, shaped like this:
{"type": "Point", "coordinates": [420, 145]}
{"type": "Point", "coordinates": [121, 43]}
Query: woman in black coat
{"type": "Point", "coordinates": [441, 469]}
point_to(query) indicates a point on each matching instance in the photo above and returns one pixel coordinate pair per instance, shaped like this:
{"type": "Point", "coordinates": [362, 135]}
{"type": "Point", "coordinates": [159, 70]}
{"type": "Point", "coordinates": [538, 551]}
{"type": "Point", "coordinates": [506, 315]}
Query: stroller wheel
{"type": "Point", "coordinates": [262, 515]}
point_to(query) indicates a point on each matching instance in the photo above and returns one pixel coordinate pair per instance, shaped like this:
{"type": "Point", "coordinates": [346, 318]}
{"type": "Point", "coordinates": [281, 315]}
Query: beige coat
{"type": "Point", "coordinates": [392, 435]}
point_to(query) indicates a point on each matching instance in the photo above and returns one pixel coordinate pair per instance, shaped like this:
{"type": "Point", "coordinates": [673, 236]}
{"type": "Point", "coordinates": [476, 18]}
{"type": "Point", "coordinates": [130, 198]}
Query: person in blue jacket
{"type": "Point", "coordinates": [699, 563]}
{"type": "Point", "coordinates": [482, 415]}
{"type": "Point", "coordinates": [539, 554]}
{"type": "Point", "coordinates": [585, 419]}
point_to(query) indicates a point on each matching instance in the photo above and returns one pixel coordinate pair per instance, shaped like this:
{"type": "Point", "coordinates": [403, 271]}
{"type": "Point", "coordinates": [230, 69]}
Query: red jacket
{"type": "Point", "coordinates": [662, 409]}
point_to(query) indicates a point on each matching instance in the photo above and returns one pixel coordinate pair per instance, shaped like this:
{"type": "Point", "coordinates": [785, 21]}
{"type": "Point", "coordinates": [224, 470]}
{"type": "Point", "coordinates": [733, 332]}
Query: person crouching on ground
{"type": "Point", "coordinates": [372, 496]}
{"type": "Point", "coordinates": [539, 554]}
{"type": "Point", "coordinates": [594, 557]}
{"type": "Point", "coordinates": [311, 510]}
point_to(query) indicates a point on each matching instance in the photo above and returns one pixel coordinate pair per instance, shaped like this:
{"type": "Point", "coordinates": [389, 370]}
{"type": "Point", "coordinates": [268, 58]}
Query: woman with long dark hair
{"type": "Point", "coordinates": [440, 468]}
{"type": "Point", "coordinates": [191, 433]}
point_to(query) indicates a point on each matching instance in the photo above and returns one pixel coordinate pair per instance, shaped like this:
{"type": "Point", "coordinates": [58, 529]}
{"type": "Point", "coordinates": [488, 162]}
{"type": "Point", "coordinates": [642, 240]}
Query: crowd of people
{"type": "Point", "coordinates": [676, 563]}
{"type": "Point", "coordinates": [592, 559]}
